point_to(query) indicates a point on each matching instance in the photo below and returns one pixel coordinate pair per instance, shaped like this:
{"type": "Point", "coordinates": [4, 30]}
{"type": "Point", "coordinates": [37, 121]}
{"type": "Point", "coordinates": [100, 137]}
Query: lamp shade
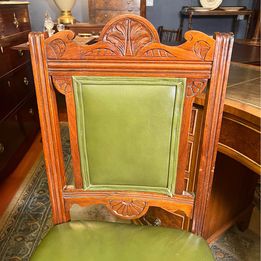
{"type": "Point", "coordinates": [66, 15]}
{"type": "Point", "coordinates": [65, 5]}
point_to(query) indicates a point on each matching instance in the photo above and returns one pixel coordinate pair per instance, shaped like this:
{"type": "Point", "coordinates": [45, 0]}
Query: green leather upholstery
{"type": "Point", "coordinates": [100, 241]}
{"type": "Point", "coordinates": [128, 131]}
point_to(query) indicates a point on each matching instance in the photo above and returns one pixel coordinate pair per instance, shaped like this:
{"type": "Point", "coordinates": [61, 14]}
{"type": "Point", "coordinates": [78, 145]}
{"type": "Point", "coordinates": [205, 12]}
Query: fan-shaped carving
{"type": "Point", "coordinates": [128, 209]}
{"type": "Point", "coordinates": [195, 86]}
{"type": "Point", "coordinates": [128, 36]}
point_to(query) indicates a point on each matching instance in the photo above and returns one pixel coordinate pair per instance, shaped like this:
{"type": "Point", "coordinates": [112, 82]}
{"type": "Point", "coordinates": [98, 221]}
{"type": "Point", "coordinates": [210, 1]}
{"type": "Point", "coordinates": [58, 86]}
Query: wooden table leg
{"type": "Point", "coordinates": [248, 24]}
{"type": "Point", "coordinates": [190, 22]}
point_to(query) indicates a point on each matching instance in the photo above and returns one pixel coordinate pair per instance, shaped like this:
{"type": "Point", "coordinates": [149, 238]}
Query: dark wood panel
{"type": "Point", "coordinates": [231, 196]}
{"type": "Point", "coordinates": [12, 58]}
{"type": "Point", "coordinates": [18, 117]}
{"type": "Point", "coordinates": [245, 140]}
{"type": "Point", "coordinates": [13, 19]}
{"type": "Point", "coordinates": [101, 11]}
{"type": "Point", "coordinates": [16, 135]}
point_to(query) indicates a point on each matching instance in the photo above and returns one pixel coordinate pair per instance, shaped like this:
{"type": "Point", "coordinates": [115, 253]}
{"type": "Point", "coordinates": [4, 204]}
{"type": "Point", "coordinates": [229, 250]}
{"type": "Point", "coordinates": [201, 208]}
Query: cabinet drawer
{"type": "Point", "coordinates": [116, 4]}
{"type": "Point", "coordinates": [7, 99]}
{"type": "Point", "coordinates": [16, 19]}
{"type": "Point", "coordinates": [12, 58]}
{"type": "Point", "coordinates": [103, 16]}
{"type": "Point", "coordinates": [28, 117]}
{"type": "Point", "coordinates": [16, 134]}
{"type": "Point", "coordinates": [22, 83]}
{"type": "Point", "coordinates": [14, 88]}
{"type": "Point", "coordinates": [11, 139]}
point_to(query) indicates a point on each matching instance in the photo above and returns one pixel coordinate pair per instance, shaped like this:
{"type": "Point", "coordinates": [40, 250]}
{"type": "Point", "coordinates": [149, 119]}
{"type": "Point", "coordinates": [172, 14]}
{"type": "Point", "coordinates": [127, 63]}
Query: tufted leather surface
{"type": "Point", "coordinates": [128, 130]}
{"type": "Point", "coordinates": [95, 241]}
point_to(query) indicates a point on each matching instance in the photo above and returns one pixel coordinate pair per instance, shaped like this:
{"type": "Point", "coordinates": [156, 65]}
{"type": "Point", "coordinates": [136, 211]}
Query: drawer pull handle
{"type": "Point", "coordinates": [20, 52]}
{"type": "Point", "coordinates": [26, 82]}
{"type": "Point", "coordinates": [31, 111]}
{"type": "Point", "coordinates": [9, 83]}
{"type": "Point", "coordinates": [106, 15]}
{"type": "Point", "coordinates": [2, 49]}
{"type": "Point", "coordinates": [15, 22]}
{"type": "Point", "coordinates": [2, 148]}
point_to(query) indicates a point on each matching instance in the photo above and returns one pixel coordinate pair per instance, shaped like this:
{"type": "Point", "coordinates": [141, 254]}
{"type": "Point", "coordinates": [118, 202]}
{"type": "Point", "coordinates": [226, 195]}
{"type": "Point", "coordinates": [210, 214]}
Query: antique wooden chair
{"type": "Point", "coordinates": [168, 36]}
{"type": "Point", "coordinates": [129, 101]}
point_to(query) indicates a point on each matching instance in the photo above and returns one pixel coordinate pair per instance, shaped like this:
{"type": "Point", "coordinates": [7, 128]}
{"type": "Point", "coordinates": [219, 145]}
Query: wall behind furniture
{"type": "Point", "coordinates": [164, 12]}
{"type": "Point", "coordinates": [38, 8]}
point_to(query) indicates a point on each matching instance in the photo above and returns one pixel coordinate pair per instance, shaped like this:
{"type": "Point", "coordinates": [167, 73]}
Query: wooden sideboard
{"type": "Point", "coordinates": [238, 161]}
{"type": "Point", "coordinates": [101, 11]}
{"type": "Point", "coordinates": [189, 11]}
{"type": "Point", "coordinates": [18, 113]}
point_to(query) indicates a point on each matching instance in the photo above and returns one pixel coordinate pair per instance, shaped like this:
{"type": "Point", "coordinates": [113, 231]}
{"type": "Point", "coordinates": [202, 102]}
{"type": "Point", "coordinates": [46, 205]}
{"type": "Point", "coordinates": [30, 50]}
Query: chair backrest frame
{"type": "Point", "coordinates": [129, 46]}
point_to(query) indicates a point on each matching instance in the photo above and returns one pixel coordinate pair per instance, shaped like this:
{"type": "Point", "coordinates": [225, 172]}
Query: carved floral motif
{"type": "Point", "coordinates": [201, 49]}
{"type": "Point", "coordinates": [63, 84]}
{"type": "Point", "coordinates": [195, 86]}
{"type": "Point", "coordinates": [56, 48]}
{"type": "Point", "coordinates": [128, 209]}
{"type": "Point", "coordinates": [128, 36]}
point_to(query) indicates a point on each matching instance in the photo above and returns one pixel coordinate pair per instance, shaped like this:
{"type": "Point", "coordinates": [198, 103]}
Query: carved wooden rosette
{"type": "Point", "coordinates": [195, 86]}
{"type": "Point", "coordinates": [129, 209]}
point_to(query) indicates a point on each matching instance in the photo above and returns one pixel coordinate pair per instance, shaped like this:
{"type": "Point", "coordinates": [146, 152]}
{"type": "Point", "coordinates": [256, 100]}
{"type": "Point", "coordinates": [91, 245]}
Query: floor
{"type": "Point", "coordinates": [11, 184]}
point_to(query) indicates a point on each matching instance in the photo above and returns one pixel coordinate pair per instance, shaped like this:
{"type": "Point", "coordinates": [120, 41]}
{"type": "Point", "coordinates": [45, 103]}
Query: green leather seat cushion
{"type": "Point", "coordinates": [94, 241]}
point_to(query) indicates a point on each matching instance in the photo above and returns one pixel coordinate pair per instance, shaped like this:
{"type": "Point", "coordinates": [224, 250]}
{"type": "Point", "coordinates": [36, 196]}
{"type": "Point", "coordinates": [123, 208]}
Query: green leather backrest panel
{"type": "Point", "coordinates": [128, 131]}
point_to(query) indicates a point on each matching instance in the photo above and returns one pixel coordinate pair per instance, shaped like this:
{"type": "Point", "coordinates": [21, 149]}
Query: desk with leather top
{"type": "Point", "coordinates": [240, 132]}
{"type": "Point", "coordinates": [238, 161]}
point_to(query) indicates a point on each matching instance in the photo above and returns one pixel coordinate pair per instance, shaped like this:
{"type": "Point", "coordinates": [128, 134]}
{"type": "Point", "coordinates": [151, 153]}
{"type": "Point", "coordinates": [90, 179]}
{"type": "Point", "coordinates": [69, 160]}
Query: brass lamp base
{"type": "Point", "coordinates": [66, 18]}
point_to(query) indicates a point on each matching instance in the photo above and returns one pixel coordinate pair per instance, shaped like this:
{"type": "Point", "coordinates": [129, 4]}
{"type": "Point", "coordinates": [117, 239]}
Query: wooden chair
{"type": "Point", "coordinates": [168, 36]}
{"type": "Point", "coordinates": [129, 102]}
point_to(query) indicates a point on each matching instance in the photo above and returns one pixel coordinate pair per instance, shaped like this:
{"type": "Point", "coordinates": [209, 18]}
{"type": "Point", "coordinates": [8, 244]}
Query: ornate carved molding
{"type": "Point", "coordinates": [63, 84]}
{"type": "Point", "coordinates": [158, 52]}
{"type": "Point", "coordinates": [56, 48]}
{"type": "Point", "coordinates": [201, 49]}
{"type": "Point", "coordinates": [97, 52]}
{"type": "Point", "coordinates": [130, 36]}
{"type": "Point", "coordinates": [195, 86]}
{"type": "Point", "coordinates": [129, 209]}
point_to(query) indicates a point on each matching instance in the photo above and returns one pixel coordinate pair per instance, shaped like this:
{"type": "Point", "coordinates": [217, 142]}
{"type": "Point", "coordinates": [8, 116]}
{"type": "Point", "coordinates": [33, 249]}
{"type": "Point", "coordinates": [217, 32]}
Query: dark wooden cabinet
{"type": "Point", "coordinates": [101, 11]}
{"type": "Point", "coordinates": [18, 112]}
